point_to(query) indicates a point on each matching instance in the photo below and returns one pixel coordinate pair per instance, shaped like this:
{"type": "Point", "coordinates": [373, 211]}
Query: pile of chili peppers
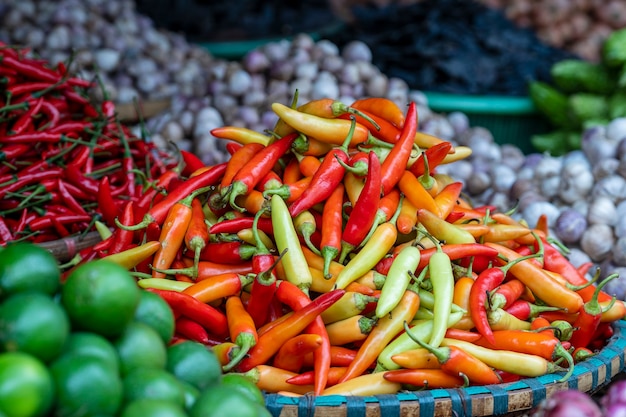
{"type": "Point", "coordinates": [329, 257]}
{"type": "Point", "coordinates": [67, 162]}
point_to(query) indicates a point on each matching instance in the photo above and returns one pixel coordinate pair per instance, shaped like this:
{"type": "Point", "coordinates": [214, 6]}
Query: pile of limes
{"type": "Point", "coordinates": [98, 345]}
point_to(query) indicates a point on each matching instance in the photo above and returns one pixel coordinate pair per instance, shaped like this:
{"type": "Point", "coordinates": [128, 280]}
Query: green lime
{"type": "Point", "coordinates": [152, 408]}
{"type": "Point", "coordinates": [139, 346]}
{"type": "Point", "coordinates": [26, 387]}
{"type": "Point", "coordinates": [92, 344]}
{"type": "Point", "coordinates": [245, 385]}
{"type": "Point", "coordinates": [85, 386]}
{"type": "Point", "coordinates": [153, 383]}
{"type": "Point", "coordinates": [100, 296]}
{"type": "Point", "coordinates": [221, 400]}
{"type": "Point", "coordinates": [194, 363]}
{"type": "Point", "coordinates": [191, 393]}
{"type": "Point", "coordinates": [24, 266]}
{"type": "Point", "coordinates": [32, 322]}
{"type": "Point", "coordinates": [154, 311]}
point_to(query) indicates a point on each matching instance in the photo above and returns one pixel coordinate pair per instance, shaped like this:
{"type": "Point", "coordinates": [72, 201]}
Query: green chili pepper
{"type": "Point", "coordinates": [296, 268]}
{"type": "Point", "coordinates": [422, 329]}
{"type": "Point", "coordinates": [398, 279]}
{"type": "Point", "coordinates": [442, 279]}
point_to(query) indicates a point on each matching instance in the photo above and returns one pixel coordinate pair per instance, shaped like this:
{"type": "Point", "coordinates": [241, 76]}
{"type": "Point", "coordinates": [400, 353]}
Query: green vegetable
{"type": "Point", "coordinates": [574, 75]}
{"type": "Point", "coordinates": [552, 104]}
{"type": "Point", "coordinates": [617, 105]}
{"type": "Point", "coordinates": [557, 142]}
{"type": "Point", "coordinates": [586, 106]}
{"type": "Point", "coordinates": [614, 49]}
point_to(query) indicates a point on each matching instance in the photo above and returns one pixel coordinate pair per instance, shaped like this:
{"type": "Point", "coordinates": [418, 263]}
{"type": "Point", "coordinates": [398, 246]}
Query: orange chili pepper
{"type": "Point", "coordinates": [418, 358]}
{"type": "Point", "coordinates": [542, 286]}
{"type": "Point", "coordinates": [424, 378]}
{"type": "Point", "coordinates": [309, 165]}
{"type": "Point", "coordinates": [238, 160]}
{"type": "Point", "coordinates": [415, 192]}
{"type": "Point", "coordinates": [456, 361]}
{"type": "Point", "coordinates": [272, 379]}
{"type": "Point", "coordinates": [241, 329]}
{"type": "Point", "coordinates": [447, 198]}
{"type": "Point", "coordinates": [197, 234]}
{"type": "Point", "coordinates": [218, 286]}
{"type": "Point", "coordinates": [290, 355]}
{"type": "Point", "coordinates": [292, 172]}
{"type": "Point", "coordinates": [339, 356]}
{"type": "Point", "coordinates": [407, 218]}
{"type": "Point", "coordinates": [381, 107]}
{"type": "Point", "coordinates": [350, 330]}
{"type": "Point", "coordinates": [225, 352]}
{"type": "Point", "coordinates": [309, 146]}
{"type": "Point", "coordinates": [173, 232]}
{"type": "Point", "coordinates": [270, 342]}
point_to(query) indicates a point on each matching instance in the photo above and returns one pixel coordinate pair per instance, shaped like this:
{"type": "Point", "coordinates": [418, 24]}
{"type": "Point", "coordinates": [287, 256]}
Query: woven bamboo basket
{"type": "Point", "coordinates": [510, 399]}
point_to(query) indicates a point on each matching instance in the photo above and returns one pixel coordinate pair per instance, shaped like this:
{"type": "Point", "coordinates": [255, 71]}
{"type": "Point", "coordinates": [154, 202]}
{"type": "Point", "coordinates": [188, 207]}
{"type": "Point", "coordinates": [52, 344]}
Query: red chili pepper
{"type": "Point", "coordinates": [506, 294]}
{"type": "Point", "coordinates": [22, 180]}
{"type": "Point", "coordinates": [237, 224]}
{"type": "Point", "coordinates": [554, 261]}
{"type": "Point", "coordinates": [106, 204]}
{"type": "Point", "coordinates": [158, 212]}
{"type": "Point", "coordinates": [525, 310]}
{"type": "Point", "coordinates": [10, 152]}
{"type": "Point", "coordinates": [227, 252]}
{"type": "Point", "coordinates": [192, 330]}
{"type": "Point", "coordinates": [290, 356]}
{"type": "Point", "coordinates": [47, 221]}
{"type": "Point", "coordinates": [264, 285]}
{"type": "Point", "coordinates": [363, 214]}
{"type": "Point", "coordinates": [589, 317]}
{"type": "Point", "coordinates": [261, 163]}
{"type": "Point", "coordinates": [209, 317]}
{"type": "Point", "coordinates": [123, 238]}
{"type": "Point", "coordinates": [68, 199]}
{"type": "Point", "coordinates": [487, 281]}
{"type": "Point", "coordinates": [395, 163]}
{"type": "Point", "coordinates": [332, 225]}
{"type": "Point", "coordinates": [434, 155]}
{"type": "Point", "coordinates": [335, 373]}
{"type": "Point", "coordinates": [326, 177]}
{"type": "Point", "coordinates": [297, 300]}
{"type": "Point", "coordinates": [31, 69]}
{"type": "Point", "coordinates": [5, 232]}
{"type": "Point", "coordinates": [25, 121]}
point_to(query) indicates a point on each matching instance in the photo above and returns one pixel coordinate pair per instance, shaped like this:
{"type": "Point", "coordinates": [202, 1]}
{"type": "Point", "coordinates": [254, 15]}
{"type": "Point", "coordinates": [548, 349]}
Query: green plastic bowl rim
{"type": "Point", "coordinates": [488, 104]}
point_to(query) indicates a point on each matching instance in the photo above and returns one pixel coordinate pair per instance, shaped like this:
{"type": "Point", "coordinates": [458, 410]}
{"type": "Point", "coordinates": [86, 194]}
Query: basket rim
{"type": "Point", "coordinates": [588, 376]}
{"type": "Point", "coordinates": [481, 104]}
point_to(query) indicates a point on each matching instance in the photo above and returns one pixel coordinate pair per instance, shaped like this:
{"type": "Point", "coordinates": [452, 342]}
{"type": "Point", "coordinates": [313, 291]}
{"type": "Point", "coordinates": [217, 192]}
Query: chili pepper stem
{"type": "Point", "coordinates": [245, 342]}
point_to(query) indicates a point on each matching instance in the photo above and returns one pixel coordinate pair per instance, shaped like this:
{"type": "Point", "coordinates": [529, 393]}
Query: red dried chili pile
{"type": "Point", "coordinates": [66, 161]}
